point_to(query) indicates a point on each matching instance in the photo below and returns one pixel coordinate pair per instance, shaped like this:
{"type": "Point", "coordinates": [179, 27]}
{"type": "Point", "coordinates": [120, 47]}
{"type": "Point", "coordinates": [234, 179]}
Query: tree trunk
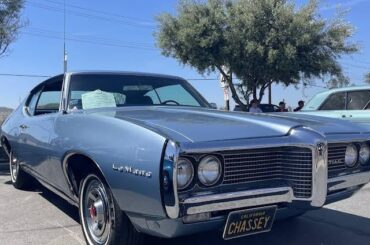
{"type": "Point", "coordinates": [254, 92]}
{"type": "Point", "coordinates": [261, 93]}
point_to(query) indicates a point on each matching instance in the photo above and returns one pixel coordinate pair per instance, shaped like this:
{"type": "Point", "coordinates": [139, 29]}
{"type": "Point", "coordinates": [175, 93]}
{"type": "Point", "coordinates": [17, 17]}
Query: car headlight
{"type": "Point", "coordinates": [209, 170]}
{"type": "Point", "coordinates": [185, 173]}
{"type": "Point", "coordinates": [351, 156]}
{"type": "Point", "coordinates": [364, 154]}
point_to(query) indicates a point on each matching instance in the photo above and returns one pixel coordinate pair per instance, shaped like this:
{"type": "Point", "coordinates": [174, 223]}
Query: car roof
{"type": "Point", "coordinates": [319, 98]}
{"type": "Point", "coordinates": [127, 73]}
{"type": "Point", "coordinates": [352, 88]}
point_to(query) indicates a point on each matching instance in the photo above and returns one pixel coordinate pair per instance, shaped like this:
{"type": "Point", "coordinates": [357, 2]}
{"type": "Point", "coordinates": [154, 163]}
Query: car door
{"type": "Point", "coordinates": [37, 128]}
{"type": "Point", "coordinates": [358, 104]}
{"type": "Point", "coordinates": [335, 105]}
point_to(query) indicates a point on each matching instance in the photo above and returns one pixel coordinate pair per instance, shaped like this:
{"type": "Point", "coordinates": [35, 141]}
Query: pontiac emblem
{"type": "Point", "coordinates": [335, 161]}
{"type": "Point", "coordinates": [131, 170]}
{"type": "Point", "coordinates": [320, 148]}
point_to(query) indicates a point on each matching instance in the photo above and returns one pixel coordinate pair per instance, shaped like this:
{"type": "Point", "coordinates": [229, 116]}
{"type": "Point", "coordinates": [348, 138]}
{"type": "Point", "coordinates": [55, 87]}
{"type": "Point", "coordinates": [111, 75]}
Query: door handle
{"type": "Point", "coordinates": [23, 126]}
{"type": "Point", "coordinates": [343, 116]}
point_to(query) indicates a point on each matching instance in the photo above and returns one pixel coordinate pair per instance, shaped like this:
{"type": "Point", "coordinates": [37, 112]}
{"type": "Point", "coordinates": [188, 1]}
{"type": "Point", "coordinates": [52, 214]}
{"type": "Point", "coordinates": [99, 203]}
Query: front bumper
{"type": "Point", "coordinates": [237, 200]}
{"type": "Point", "coordinates": [220, 205]}
{"type": "Point", "coordinates": [267, 196]}
{"type": "Point", "coordinates": [345, 182]}
{"type": "Point", "coordinates": [215, 207]}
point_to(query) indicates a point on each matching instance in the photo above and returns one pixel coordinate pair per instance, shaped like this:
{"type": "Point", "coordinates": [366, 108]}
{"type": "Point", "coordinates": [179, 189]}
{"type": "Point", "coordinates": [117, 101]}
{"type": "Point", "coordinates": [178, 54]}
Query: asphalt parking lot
{"type": "Point", "coordinates": [40, 217]}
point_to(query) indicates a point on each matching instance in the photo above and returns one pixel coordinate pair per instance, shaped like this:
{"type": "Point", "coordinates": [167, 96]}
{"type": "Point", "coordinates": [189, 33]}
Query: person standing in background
{"type": "Point", "coordinates": [254, 106]}
{"type": "Point", "coordinates": [282, 107]}
{"type": "Point", "coordinates": [300, 105]}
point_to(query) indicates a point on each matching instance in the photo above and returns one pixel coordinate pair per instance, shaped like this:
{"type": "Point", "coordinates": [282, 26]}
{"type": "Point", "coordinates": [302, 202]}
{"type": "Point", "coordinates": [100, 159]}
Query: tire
{"type": "Point", "coordinates": [102, 221]}
{"type": "Point", "coordinates": [20, 179]}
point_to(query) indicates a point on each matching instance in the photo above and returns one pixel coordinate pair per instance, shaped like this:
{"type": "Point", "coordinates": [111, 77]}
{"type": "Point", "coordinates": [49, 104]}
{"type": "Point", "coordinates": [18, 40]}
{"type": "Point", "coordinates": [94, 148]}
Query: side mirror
{"type": "Point", "coordinates": [213, 105]}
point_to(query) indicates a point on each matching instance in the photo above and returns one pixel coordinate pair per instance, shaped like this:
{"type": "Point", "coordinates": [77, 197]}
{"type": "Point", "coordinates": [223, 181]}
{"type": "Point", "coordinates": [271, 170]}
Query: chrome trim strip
{"type": "Point", "coordinates": [271, 196]}
{"type": "Point", "coordinates": [171, 156]}
{"type": "Point", "coordinates": [232, 195]}
{"type": "Point", "coordinates": [348, 181]}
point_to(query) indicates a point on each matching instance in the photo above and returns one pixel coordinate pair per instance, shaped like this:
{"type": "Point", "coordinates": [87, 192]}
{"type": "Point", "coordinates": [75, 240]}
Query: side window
{"type": "Point", "coordinates": [49, 100]}
{"type": "Point", "coordinates": [31, 104]}
{"type": "Point", "coordinates": [335, 102]}
{"type": "Point", "coordinates": [358, 100]}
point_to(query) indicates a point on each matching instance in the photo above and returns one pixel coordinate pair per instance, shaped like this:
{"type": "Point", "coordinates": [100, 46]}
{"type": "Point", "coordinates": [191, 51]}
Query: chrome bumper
{"type": "Point", "coordinates": [348, 181]}
{"type": "Point", "coordinates": [241, 199]}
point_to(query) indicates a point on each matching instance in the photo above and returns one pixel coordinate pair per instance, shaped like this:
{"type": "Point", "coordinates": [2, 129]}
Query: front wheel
{"type": "Point", "coordinates": [20, 179]}
{"type": "Point", "coordinates": [102, 220]}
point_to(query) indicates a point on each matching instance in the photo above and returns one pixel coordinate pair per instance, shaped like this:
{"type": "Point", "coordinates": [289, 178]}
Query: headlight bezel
{"type": "Point", "coordinates": [355, 161]}
{"type": "Point", "coordinates": [191, 179]}
{"type": "Point", "coordinates": [367, 161]}
{"type": "Point", "coordinates": [220, 171]}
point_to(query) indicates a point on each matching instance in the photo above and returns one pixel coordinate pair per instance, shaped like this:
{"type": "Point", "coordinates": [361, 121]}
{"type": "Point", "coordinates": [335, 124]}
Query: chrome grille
{"type": "Point", "coordinates": [291, 164]}
{"type": "Point", "coordinates": [336, 153]}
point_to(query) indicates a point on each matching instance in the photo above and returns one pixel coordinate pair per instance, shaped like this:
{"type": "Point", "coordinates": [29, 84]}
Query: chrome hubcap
{"type": "Point", "coordinates": [97, 214]}
{"type": "Point", "coordinates": [14, 167]}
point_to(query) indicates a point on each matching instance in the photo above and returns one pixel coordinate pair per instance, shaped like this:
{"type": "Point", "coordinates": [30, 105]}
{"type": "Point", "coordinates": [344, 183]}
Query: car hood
{"type": "Point", "coordinates": [199, 124]}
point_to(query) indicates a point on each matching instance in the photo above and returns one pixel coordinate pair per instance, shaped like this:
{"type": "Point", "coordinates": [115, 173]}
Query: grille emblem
{"type": "Point", "coordinates": [320, 149]}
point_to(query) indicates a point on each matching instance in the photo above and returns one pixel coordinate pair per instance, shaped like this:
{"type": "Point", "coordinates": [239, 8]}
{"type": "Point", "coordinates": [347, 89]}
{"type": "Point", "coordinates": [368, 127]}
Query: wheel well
{"type": "Point", "coordinates": [77, 167]}
{"type": "Point", "coordinates": [5, 144]}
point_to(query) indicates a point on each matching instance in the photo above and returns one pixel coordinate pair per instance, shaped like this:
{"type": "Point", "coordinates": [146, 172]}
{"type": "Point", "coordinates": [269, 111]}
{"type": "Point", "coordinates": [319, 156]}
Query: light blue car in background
{"type": "Point", "coordinates": [350, 103]}
{"type": "Point", "coordinates": [145, 153]}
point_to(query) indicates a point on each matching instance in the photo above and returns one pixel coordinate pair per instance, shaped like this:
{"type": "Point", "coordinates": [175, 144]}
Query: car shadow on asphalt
{"type": "Point", "coordinates": [4, 169]}
{"type": "Point", "coordinates": [61, 204]}
{"type": "Point", "coordinates": [323, 226]}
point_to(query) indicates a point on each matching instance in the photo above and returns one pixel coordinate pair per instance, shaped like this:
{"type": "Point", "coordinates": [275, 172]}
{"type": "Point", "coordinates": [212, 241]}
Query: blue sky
{"type": "Point", "coordinates": [129, 45]}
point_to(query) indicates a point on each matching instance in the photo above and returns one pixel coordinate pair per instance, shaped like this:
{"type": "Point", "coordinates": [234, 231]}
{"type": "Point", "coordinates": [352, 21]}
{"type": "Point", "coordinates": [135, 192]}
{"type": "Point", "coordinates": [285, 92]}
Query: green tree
{"type": "Point", "coordinates": [339, 81]}
{"type": "Point", "coordinates": [10, 22]}
{"type": "Point", "coordinates": [260, 41]}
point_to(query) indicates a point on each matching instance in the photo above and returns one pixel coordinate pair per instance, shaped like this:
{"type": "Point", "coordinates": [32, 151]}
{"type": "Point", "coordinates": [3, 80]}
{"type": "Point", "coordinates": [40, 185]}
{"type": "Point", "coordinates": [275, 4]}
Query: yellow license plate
{"type": "Point", "coordinates": [249, 222]}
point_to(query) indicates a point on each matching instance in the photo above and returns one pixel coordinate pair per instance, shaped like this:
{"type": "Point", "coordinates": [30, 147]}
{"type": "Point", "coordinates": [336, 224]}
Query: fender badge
{"type": "Point", "coordinates": [131, 170]}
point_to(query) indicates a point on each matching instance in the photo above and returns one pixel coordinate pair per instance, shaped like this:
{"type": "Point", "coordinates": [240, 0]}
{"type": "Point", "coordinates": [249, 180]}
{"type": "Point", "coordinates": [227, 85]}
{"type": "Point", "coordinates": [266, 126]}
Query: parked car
{"type": "Point", "coordinates": [264, 107]}
{"type": "Point", "coordinates": [350, 103]}
{"type": "Point", "coordinates": [146, 154]}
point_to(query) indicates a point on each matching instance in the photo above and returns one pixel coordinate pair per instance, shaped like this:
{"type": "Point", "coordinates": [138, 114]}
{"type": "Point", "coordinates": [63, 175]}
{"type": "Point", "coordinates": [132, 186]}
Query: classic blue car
{"type": "Point", "coordinates": [349, 103]}
{"type": "Point", "coordinates": [146, 154]}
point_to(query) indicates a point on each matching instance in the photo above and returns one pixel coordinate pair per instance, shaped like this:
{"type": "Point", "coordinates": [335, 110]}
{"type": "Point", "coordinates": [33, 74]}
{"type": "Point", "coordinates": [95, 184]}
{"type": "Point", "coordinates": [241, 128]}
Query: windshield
{"type": "Point", "coordinates": [89, 91]}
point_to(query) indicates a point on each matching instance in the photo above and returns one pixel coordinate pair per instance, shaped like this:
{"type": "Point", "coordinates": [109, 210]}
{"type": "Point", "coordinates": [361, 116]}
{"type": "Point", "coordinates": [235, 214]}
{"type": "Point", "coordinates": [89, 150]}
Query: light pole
{"type": "Point", "coordinates": [65, 57]}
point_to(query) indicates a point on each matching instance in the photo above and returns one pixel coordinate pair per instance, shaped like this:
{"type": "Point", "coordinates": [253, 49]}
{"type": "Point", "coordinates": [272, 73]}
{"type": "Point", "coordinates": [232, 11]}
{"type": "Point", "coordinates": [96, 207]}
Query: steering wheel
{"type": "Point", "coordinates": [170, 101]}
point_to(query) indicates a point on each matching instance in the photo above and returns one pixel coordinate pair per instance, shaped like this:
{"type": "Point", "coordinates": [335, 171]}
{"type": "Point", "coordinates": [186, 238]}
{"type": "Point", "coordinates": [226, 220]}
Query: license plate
{"type": "Point", "coordinates": [249, 222]}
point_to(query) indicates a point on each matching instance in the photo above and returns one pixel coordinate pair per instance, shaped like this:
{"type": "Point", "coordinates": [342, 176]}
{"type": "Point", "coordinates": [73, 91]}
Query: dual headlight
{"type": "Point", "coordinates": [208, 172]}
{"type": "Point", "coordinates": [353, 155]}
